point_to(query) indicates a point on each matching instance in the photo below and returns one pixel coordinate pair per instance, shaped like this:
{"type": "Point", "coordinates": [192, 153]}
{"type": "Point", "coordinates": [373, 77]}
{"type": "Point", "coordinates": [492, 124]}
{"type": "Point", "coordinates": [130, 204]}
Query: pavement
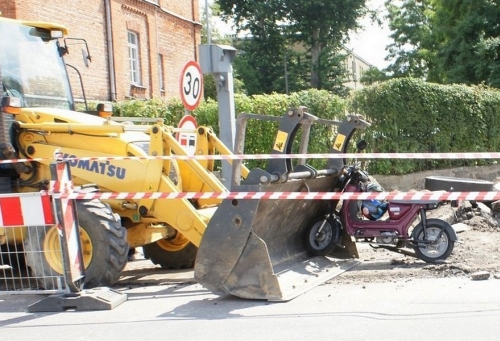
{"type": "Point", "coordinates": [432, 309]}
{"type": "Point", "coordinates": [170, 304]}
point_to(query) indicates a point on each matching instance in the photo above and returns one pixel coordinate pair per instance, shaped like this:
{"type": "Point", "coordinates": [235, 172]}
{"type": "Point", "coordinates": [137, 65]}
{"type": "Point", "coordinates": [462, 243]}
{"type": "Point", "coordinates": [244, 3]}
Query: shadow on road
{"type": "Point", "coordinates": [218, 308]}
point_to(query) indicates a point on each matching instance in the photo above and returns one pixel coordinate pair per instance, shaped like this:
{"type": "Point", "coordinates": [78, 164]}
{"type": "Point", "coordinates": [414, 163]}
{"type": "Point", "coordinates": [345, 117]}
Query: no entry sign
{"type": "Point", "coordinates": [191, 85]}
{"type": "Point", "coordinates": [187, 138]}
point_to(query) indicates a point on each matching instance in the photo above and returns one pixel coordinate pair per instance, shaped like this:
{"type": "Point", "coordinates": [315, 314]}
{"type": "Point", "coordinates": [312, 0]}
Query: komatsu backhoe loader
{"type": "Point", "coordinates": [39, 118]}
{"type": "Point", "coordinates": [247, 247]}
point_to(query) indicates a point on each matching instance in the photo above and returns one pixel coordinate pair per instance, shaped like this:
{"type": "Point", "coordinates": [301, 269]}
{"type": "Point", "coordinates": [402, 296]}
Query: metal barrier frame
{"type": "Point", "coordinates": [57, 210]}
{"type": "Point", "coordinates": [31, 213]}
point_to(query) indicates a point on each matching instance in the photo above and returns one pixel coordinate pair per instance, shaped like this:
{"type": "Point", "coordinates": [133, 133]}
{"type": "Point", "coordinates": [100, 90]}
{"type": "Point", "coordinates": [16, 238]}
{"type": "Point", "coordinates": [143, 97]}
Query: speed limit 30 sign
{"type": "Point", "coordinates": [191, 85]}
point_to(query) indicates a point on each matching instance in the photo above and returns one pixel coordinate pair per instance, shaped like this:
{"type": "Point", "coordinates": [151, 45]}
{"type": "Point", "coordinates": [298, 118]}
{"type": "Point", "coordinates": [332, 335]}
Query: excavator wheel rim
{"type": "Point", "coordinates": [173, 245]}
{"type": "Point", "coordinates": [53, 253]}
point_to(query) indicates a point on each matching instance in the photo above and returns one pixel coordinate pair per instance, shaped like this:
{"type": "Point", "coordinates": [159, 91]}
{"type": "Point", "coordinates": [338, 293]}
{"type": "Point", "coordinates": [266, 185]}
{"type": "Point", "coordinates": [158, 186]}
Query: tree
{"type": "Point", "coordinates": [322, 27]}
{"type": "Point", "coordinates": [260, 60]}
{"type": "Point", "coordinates": [468, 34]}
{"type": "Point", "coordinates": [303, 36]}
{"type": "Point", "coordinates": [209, 86]}
{"type": "Point", "coordinates": [372, 76]}
{"type": "Point", "coordinates": [413, 50]}
{"type": "Point", "coordinates": [446, 41]}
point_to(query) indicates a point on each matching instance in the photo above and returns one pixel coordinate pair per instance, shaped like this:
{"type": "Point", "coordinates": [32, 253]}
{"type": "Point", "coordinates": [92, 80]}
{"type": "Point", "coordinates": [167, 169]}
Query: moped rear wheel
{"type": "Point", "coordinates": [439, 251]}
{"type": "Point", "coordinates": [322, 236]}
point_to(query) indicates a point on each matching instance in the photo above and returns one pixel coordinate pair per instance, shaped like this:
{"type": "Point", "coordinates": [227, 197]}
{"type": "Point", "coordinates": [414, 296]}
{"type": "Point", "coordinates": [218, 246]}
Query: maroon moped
{"type": "Point", "coordinates": [404, 226]}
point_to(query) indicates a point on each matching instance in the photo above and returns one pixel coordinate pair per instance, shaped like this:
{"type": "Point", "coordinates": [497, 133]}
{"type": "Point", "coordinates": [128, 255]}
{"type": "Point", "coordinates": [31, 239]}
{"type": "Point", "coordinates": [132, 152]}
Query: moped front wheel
{"type": "Point", "coordinates": [434, 252]}
{"type": "Point", "coordinates": [322, 236]}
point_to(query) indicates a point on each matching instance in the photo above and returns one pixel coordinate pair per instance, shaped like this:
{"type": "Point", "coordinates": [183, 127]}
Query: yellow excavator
{"type": "Point", "coordinates": [251, 248]}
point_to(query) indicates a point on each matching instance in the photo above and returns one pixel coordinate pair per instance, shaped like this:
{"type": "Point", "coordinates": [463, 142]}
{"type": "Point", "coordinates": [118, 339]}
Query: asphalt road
{"type": "Point", "coordinates": [173, 307]}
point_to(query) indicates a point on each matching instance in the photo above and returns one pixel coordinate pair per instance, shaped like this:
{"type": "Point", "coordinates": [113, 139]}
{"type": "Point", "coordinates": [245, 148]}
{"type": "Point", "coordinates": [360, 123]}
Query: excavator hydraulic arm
{"type": "Point", "coordinates": [139, 172]}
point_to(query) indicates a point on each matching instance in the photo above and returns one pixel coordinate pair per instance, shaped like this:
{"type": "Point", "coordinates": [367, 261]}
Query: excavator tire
{"type": "Point", "coordinates": [170, 255]}
{"type": "Point", "coordinates": [103, 242]}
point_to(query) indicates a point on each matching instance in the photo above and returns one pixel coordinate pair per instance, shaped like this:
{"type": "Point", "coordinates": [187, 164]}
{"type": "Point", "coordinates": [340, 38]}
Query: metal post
{"type": "Point", "coordinates": [217, 60]}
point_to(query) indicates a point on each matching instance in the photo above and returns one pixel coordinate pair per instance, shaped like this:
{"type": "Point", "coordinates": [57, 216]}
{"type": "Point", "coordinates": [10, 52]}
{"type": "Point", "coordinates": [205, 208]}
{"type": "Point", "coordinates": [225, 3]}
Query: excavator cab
{"type": "Point", "coordinates": [31, 64]}
{"type": "Point", "coordinates": [32, 74]}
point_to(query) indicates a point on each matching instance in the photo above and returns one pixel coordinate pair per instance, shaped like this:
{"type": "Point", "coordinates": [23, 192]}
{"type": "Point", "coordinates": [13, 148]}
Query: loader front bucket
{"type": "Point", "coordinates": [256, 248]}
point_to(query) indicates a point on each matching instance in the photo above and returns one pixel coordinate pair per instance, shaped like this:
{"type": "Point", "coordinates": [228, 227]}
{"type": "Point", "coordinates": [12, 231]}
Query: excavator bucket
{"type": "Point", "coordinates": [255, 248]}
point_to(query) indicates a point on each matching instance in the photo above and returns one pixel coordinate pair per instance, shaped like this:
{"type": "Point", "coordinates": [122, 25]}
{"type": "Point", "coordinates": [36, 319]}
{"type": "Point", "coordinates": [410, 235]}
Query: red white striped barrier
{"type": "Point", "coordinates": [407, 196]}
{"type": "Point", "coordinates": [26, 209]}
{"type": "Point", "coordinates": [62, 186]}
{"type": "Point", "coordinates": [442, 156]}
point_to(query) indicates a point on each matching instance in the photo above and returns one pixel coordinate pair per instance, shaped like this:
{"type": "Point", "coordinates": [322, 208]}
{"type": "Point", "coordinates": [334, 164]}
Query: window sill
{"type": "Point", "coordinates": [137, 87]}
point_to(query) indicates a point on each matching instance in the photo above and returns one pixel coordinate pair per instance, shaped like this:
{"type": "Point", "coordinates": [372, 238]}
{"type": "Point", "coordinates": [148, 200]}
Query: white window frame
{"type": "Point", "coordinates": [133, 57]}
{"type": "Point", "coordinates": [161, 78]}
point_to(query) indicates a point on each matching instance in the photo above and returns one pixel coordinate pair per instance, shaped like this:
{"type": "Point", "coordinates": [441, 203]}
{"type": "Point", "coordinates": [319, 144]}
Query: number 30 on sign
{"type": "Point", "coordinates": [191, 85]}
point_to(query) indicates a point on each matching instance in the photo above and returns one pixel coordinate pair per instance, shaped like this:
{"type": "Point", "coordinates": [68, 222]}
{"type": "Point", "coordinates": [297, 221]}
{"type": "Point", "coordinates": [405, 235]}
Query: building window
{"type": "Point", "coordinates": [160, 72]}
{"type": "Point", "coordinates": [133, 56]}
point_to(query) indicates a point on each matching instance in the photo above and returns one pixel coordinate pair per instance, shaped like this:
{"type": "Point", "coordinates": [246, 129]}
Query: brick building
{"type": "Point", "coordinates": [138, 47]}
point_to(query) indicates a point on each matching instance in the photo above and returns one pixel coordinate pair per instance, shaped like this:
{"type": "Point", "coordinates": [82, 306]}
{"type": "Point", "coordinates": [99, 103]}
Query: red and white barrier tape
{"type": "Point", "coordinates": [391, 196]}
{"type": "Point", "coordinates": [442, 156]}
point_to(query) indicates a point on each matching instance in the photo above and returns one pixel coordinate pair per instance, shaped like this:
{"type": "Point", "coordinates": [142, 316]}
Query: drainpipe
{"type": "Point", "coordinates": [111, 56]}
{"type": "Point", "coordinates": [193, 17]}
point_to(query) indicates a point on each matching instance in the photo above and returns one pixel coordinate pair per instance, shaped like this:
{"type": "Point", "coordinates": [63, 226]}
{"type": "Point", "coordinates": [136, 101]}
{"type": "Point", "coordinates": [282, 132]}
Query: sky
{"type": "Point", "coordinates": [368, 43]}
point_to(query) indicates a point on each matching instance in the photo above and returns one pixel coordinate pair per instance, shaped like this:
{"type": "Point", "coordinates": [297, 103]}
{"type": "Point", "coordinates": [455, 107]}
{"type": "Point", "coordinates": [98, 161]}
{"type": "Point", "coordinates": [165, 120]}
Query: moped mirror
{"type": "Point", "coordinates": [361, 145]}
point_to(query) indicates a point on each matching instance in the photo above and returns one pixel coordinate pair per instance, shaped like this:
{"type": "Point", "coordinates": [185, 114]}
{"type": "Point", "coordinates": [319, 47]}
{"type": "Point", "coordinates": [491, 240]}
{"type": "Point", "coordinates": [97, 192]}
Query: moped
{"type": "Point", "coordinates": [399, 226]}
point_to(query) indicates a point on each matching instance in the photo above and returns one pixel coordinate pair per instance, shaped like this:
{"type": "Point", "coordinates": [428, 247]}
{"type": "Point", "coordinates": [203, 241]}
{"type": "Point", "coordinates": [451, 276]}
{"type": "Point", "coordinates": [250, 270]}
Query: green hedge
{"type": "Point", "coordinates": [411, 116]}
{"type": "Point", "coordinates": [260, 136]}
{"type": "Point", "coordinates": [407, 116]}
